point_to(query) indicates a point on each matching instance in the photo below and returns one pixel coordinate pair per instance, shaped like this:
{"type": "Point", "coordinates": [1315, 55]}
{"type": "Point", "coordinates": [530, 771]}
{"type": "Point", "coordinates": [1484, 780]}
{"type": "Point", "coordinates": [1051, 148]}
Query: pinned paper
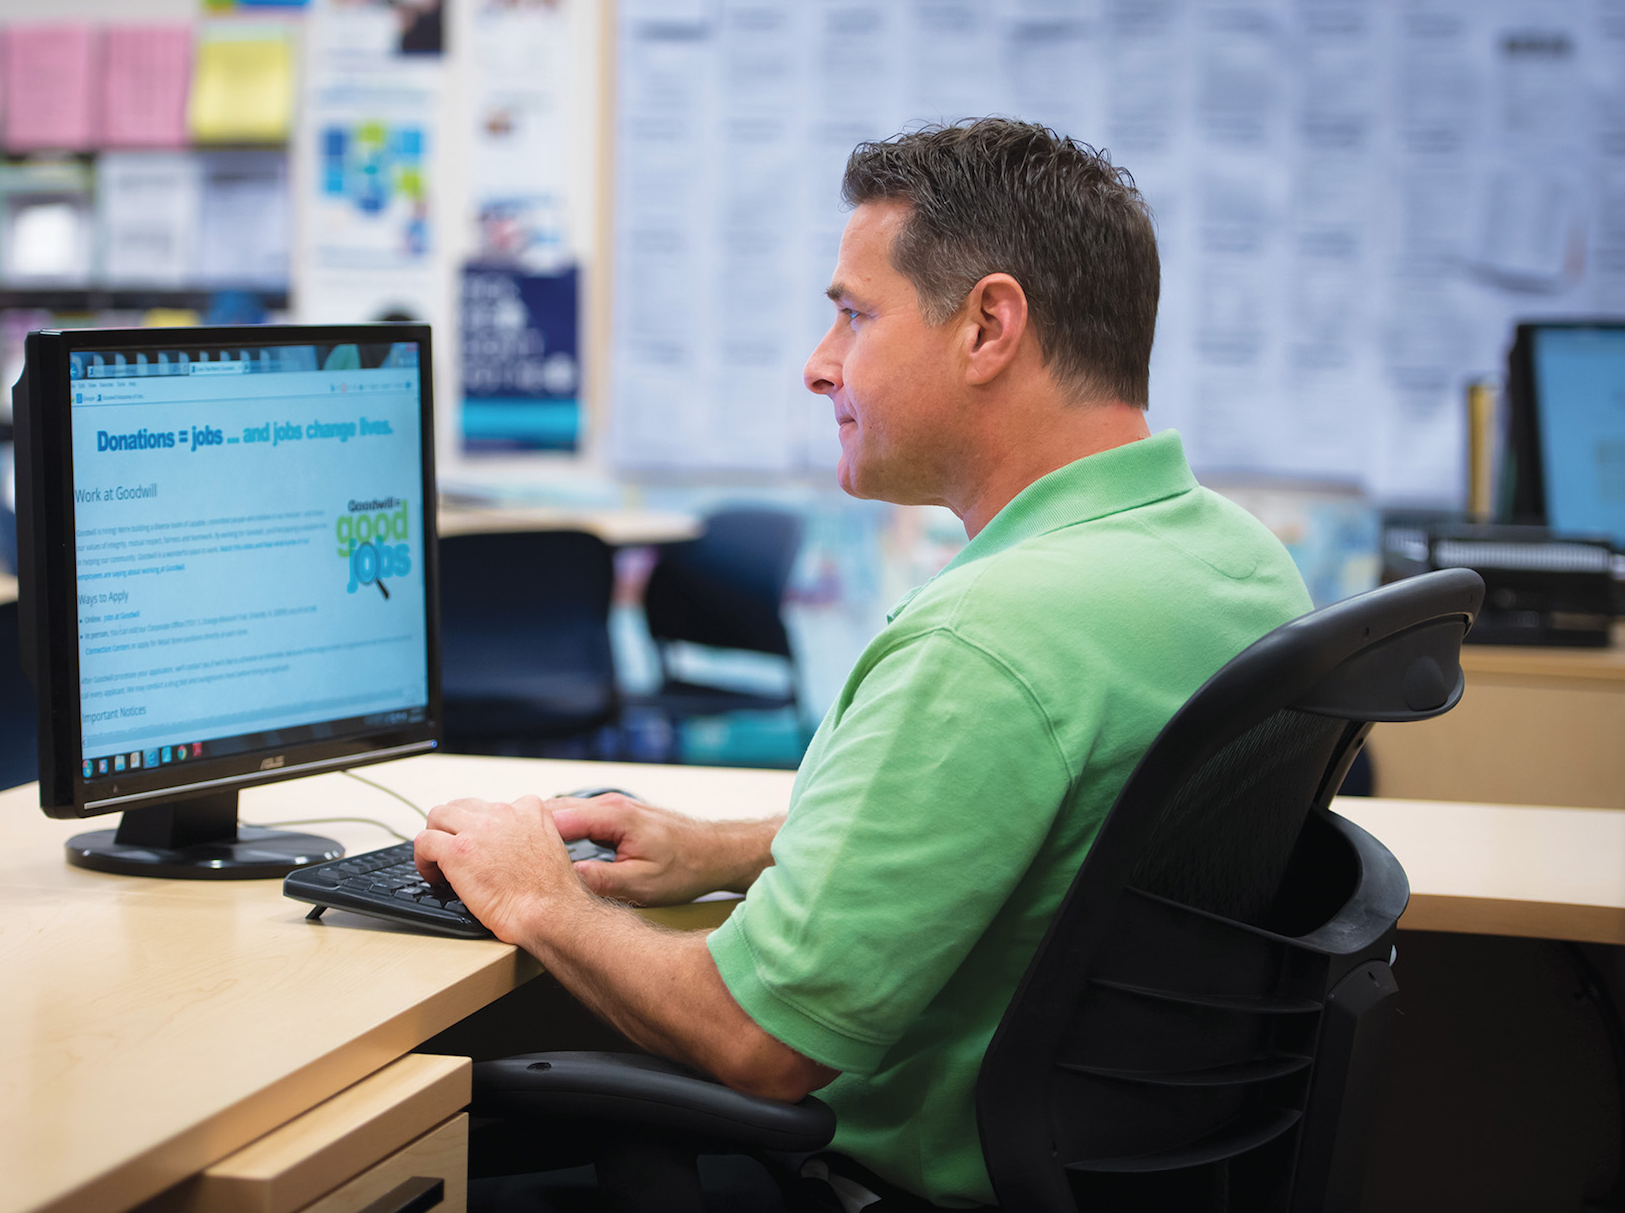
{"type": "Point", "coordinates": [50, 84]}
{"type": "Point", "coordinates": [45, 224]}
{"type": "Point", "coordinates": [144, 89]}
{"type": "Point", "coordinates": [147, 218]}
{"type": "Point", "coordinates": [242, 89]}
{"type": "Point", "coordinates": [244, 225]}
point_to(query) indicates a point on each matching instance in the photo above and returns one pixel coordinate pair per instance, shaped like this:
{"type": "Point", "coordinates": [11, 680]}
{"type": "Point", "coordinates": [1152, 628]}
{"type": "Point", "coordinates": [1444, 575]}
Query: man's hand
{"type": "Point", "coordinates": [662, 857]}
{"type": "Point", "coordinates": [504, 860]}
{"type": "Point", "coordinates": [508, 864]}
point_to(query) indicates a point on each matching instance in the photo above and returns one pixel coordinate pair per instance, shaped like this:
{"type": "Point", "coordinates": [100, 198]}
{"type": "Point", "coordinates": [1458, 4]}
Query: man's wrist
{"type": "Point", "coordinates": [744, 851]}
{"type": "Point", "coordinates": [557, 914]}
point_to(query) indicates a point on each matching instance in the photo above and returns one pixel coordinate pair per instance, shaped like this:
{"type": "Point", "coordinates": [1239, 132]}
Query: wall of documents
{"type": "Point", "coordinates": [1356, 199]}
{"type": "Point", "coordinates": [146, 156]}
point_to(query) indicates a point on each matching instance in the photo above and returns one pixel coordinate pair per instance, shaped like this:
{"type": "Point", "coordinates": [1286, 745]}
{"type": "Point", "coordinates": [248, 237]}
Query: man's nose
{"type": "Point", "coordinates": [822, 373]}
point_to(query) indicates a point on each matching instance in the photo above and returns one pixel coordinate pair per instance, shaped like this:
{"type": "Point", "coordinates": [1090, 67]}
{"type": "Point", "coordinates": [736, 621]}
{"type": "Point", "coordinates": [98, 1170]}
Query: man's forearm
{"type": "Point", "coordinates": [662, 990]}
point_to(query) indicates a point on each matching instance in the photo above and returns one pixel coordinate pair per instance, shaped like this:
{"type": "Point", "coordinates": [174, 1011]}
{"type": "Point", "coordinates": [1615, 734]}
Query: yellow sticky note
{"type": "Point", "coordinates": [169, 318]}
{"type": "Point", "coordinates": [242, 87]}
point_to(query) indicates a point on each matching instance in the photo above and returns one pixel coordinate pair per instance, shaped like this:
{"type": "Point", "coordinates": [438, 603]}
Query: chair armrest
{"type": "Point", "coordinates": [633, 1089]}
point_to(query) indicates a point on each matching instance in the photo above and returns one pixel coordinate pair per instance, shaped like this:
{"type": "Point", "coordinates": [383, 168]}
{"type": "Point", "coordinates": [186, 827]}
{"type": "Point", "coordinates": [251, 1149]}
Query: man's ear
{"type": "Point", "coordinates": [995, 320]}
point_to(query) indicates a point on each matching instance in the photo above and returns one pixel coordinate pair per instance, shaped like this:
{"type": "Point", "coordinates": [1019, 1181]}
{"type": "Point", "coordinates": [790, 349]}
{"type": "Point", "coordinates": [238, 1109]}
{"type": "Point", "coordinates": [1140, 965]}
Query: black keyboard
{"type": "Point", "coordinates": [385, 883]}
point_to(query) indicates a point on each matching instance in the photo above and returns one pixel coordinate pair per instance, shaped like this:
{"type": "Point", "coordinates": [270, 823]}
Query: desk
{"type": "Point", "coordinates": [149, 1028]}
{"type": "Point", "coordinates": [1536, 726]}
{"type": "Point", "coordinates": [1482, 869]}
{"type": "Point", "coordinates": [616, 527]}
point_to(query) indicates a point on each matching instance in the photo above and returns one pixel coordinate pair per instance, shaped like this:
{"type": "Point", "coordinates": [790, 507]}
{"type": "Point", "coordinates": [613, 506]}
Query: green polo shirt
{"type": "Point", "coordinates": [954, 788]}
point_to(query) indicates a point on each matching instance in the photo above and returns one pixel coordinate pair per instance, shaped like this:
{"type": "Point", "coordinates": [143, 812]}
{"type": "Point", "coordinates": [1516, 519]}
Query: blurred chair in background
{"type": "Point", "coordinates": [724, 591]}
{"type": "Point", "coordinates": [526, 662]}
{"type": "Point", "coordinates": [19, 756]}
{"type": "Point", "coordinates": [8, 541]}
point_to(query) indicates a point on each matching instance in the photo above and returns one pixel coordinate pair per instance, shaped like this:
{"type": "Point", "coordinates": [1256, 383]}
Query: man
{"type": "Point", "coordinates": [995, 297]}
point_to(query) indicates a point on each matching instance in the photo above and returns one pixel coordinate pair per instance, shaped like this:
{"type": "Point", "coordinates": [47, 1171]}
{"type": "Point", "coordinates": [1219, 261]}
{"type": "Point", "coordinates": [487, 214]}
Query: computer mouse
{"type": "Point", "coordinates": [590, 848]}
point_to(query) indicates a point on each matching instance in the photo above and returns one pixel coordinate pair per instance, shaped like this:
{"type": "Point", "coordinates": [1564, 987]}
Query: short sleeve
{"type": "Point", "coordinates": [933, 791]}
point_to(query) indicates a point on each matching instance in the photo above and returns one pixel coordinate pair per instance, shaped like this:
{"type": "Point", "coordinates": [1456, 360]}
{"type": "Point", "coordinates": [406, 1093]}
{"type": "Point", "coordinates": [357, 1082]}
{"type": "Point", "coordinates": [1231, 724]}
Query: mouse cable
{"type": "Point", "coordinates": [389, 791]}
{"type": "Point", "coordinates": [322, 821]}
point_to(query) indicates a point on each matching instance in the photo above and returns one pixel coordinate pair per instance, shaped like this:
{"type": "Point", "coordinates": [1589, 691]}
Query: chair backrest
{"type": "Point", "coordinates": [1194, 1029]}
{"type": "Point", "coordinates": [725, 588]}
{"type": "Point", "coordinates": [524, 633]}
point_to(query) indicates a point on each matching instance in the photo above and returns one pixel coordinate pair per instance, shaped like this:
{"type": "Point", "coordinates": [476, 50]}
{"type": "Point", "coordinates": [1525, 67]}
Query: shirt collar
{"type": "Point", "coordinates": [1123, 478]}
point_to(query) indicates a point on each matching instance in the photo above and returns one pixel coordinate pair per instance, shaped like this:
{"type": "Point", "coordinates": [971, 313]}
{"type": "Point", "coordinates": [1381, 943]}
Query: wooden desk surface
{"type": "Point", "coordinates": [616, 527]}
{"type": "Point", "coordinates": [1548, 873]}
{"type": "Point", "coordinates": [151, 1027]}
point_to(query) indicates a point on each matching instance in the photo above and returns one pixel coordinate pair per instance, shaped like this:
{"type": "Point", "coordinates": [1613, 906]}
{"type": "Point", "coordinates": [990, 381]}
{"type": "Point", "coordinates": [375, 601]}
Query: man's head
{"type": "Point", "coordinates": [998, 196]}
{"type": "Point", "coordinates": [995, 296]}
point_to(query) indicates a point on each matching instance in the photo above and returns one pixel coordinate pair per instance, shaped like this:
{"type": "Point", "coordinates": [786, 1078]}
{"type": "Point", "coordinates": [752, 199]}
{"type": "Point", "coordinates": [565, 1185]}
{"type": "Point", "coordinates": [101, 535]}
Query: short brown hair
{"type": "Point", "coordinates": [995, 195]}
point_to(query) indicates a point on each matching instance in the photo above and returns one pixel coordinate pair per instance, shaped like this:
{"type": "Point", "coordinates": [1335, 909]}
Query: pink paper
{"type": "Point", "coordinates": [50, 83]}
{"type": "Point", "coordinates": [148, 69]}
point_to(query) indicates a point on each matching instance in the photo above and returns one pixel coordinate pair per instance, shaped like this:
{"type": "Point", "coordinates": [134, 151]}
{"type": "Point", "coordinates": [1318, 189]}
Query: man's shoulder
{"type": "Point", "coordinates": [1164, 558]}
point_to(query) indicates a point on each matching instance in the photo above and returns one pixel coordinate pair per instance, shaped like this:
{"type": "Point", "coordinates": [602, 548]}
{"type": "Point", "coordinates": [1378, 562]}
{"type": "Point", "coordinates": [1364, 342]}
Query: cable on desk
{"type": "Point", "coordinates": [387, 791]}
{"type": "Point", "coordinates": [323, 821]}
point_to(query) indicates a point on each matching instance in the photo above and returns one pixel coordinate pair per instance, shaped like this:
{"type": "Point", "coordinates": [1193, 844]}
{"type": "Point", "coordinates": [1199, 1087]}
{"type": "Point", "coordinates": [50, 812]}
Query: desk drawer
{"type": "Point", "coordinates": [403, 1121]}
{"type": "Point", "coordinates": [441, 1154]}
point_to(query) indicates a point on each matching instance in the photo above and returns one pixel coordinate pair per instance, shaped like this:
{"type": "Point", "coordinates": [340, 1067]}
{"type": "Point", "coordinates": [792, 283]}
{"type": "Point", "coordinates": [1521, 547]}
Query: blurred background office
{"type": "Point", "coordinates": [620, 218]}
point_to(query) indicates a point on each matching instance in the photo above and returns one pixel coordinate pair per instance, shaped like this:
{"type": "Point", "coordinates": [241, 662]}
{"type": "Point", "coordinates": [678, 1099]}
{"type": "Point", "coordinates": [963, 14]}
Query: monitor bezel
{"type": "Point", "coordinates": [47, 585]}
{"type": "Point", "coordinates": [1524, 495]}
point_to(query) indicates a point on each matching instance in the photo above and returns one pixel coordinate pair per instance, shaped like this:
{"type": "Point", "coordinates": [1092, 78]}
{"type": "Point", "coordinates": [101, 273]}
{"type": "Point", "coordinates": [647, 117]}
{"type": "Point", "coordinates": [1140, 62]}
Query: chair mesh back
{"type": "Point", "coordinates": [1224, 838]}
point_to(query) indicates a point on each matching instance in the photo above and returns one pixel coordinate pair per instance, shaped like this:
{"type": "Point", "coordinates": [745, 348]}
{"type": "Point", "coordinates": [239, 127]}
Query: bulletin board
{"type": "Point", "coordinates": [1356, 200]}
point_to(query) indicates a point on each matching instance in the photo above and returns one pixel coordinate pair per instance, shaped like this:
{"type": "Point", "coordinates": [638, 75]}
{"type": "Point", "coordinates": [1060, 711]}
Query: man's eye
{"type": "Point", "coordinates": [847, 314]}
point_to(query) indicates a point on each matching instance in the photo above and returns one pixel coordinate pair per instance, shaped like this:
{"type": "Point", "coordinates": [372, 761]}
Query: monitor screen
{"type": "Point", "coordinates": [239, 587]}
{"type": "Point", "coordinates": [1578, 380]}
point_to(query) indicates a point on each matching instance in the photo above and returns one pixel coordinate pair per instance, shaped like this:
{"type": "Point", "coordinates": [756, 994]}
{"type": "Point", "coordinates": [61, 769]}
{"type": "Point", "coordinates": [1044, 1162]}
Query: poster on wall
{"type": "Point", "coordinates": [520, 138]}
{"type": "Point", "coordinates": [520, 359]}
{"type": "Point", "coordinates": [371, 204]}
{"type": "Point", "coordinates": [371, 245]}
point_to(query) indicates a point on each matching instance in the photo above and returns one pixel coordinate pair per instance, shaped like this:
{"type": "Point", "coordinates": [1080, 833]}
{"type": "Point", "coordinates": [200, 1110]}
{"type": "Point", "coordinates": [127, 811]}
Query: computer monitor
{"type": "Point", "coordinates": [1566, 434]}
{"type": "Point", "coordinates": [227, 577]}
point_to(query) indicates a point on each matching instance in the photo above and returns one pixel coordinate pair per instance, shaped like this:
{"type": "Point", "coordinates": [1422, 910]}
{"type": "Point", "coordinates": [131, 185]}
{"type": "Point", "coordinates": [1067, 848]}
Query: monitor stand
{"type": "Point", "coordinates": [197, 839]}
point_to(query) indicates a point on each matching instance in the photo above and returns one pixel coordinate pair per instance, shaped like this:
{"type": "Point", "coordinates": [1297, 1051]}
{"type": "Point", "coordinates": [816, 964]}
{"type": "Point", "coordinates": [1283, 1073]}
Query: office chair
{"type": "Point", "coordinates": [524, 639]}
{"type": "Point", "coordinates": [19, 728]}
{"type": "Point", "coordinates": [8, 541]}
{"type": "Point", "coordinates": [1202, 1025]}
{"type": "Point", "coordinates": [723, 590]}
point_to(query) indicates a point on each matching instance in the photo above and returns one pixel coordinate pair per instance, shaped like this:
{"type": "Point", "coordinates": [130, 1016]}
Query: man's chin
{"type": "Point", "coordinates": [852, 482]}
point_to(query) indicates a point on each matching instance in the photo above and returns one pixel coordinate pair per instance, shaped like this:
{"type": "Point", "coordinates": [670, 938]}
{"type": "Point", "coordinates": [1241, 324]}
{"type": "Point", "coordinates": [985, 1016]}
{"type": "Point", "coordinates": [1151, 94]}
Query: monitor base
{"type": "Point", "coordinates": [197, 839]}
{"type": "Point", "coordinates": [255, 855]}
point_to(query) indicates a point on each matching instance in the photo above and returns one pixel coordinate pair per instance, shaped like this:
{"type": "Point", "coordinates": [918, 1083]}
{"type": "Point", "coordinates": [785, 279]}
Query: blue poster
{"type": "Point", "coordinates": [521, 360]}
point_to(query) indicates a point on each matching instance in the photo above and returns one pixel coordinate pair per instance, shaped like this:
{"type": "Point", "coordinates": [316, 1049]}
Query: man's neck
{"type": "Point", "coordinates": [1045, 441]}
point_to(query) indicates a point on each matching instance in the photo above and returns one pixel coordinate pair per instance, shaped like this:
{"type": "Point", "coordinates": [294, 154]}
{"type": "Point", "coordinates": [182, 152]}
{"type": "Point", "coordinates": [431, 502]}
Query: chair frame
{"type": "Point", "coordinates": [1333, 897]}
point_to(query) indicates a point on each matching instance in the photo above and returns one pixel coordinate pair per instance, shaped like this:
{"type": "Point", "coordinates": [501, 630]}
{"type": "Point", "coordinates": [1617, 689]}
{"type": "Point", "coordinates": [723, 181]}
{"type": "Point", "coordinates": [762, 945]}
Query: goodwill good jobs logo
{"type": "Point", "coordinates": [374, 542]}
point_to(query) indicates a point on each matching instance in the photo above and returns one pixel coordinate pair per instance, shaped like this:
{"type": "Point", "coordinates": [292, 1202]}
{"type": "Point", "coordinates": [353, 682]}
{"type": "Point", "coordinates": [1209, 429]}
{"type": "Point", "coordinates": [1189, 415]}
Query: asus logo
{"type": "Point", "coordinates": [271, 764]}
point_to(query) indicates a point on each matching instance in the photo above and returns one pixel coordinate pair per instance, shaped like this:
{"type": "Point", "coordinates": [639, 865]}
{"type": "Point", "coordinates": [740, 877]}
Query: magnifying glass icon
{"type": "Point", "coordinates": [364, 567]}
